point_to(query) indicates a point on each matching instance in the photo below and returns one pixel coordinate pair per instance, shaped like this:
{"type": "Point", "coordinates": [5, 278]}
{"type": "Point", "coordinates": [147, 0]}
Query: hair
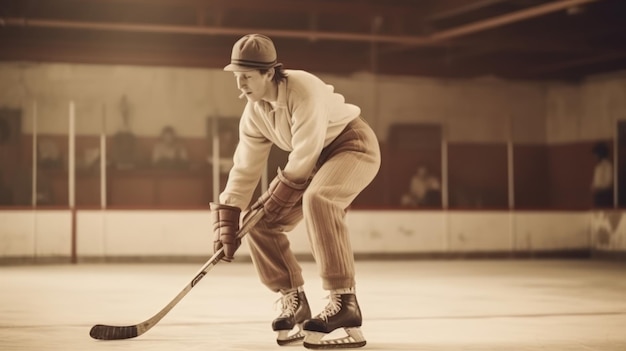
{"type": "Point", "coordinates": [168, 129]}
{"type": "Point", "coordinates": [601, 150]}
{"type": "Point", "coordinates": [279, 74]}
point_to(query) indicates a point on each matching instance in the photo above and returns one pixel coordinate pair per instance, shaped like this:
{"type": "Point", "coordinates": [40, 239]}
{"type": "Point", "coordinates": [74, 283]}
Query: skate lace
{"type": "Point", "coordinates": [289, 304]}
{"type": "Point", "coordinates": [333, 306]}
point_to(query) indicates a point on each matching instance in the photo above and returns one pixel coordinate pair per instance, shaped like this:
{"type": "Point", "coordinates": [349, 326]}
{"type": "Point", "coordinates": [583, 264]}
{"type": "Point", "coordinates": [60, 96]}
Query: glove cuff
{"type": "Point", "coordinates": [215, 206]}
{"type": "Point", "coordinates": [296, 186]}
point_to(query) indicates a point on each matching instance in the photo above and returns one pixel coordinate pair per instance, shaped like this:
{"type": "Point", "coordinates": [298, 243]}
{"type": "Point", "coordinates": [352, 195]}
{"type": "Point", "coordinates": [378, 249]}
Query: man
{"type": "Point", "coordinates": [169, 151]}
{"type": "Point", "coordinates": [424, 190]}
{"type": "Point", "coordinates": [333, 156]}
{"type": "Point", "coordinates": [602, 182]}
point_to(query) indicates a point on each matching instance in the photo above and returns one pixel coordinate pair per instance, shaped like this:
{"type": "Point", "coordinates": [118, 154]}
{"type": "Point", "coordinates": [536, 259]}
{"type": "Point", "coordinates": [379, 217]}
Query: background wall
{"type": "Point", "coordinates": [587, 111]}
{"type": "Point", "coordinates": [476, 116]}
{"type": "Point", "coordinates": [181, 97]}
{"type": "Point", "coordinates": [476, 110]}
{"type": "Point", "coordinates": [553, 125]}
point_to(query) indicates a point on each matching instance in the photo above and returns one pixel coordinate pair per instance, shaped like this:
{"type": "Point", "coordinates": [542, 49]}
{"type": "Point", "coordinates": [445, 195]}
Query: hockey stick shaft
{"type": "Point", "coordinates": [110, 332]}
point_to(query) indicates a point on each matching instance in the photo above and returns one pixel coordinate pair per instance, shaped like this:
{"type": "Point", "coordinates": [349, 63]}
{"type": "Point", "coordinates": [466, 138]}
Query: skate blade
{"type": "Point", "coordinates": [315, 340]}
{"type": "Point", "coordinates": [285, 339]}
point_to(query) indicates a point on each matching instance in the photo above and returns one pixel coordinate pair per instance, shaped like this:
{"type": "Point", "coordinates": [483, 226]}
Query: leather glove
{"type": "Point", "coordinates": [225, 227]}
{"type": "Point", "coordinates": [281, 196]}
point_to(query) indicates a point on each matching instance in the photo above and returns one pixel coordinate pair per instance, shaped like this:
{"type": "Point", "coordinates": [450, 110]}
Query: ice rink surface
{"type": "Point", "coordinates": [407, 305]}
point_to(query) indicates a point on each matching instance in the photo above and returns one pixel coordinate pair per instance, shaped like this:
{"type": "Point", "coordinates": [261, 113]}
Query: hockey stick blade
{"type": "Point", "coordinates": [112, 332]}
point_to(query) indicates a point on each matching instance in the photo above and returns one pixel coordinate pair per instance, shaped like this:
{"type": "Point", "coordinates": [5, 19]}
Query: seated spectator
{"type": "Point", "coordinates": [424, 190]}
{"type": "Point", "coordinates": [169, 151]}
{"type": "Point", "coordinates": [48, 154]}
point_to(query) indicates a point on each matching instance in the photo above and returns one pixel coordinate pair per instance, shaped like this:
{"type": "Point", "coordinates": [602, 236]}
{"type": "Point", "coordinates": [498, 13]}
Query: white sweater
{"type": "Point", "coordinates": [308, 116]}
{"type": "Point", "coordinates": [602, 176]}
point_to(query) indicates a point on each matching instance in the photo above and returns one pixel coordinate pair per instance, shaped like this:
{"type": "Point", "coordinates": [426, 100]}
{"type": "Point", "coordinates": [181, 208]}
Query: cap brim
{"type": "Point", "coordinates": [239, 68]}
{"type": "Point", "coordinates": [233, 67]}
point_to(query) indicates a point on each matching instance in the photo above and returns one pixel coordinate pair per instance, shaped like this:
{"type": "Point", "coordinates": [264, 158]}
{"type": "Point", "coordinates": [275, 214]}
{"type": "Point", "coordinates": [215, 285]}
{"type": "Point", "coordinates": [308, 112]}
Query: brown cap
{"type": "Point", "coordinates": [252, 52]}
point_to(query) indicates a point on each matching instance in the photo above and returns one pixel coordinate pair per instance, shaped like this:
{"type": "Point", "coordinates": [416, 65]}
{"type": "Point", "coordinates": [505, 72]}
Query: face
{"type": "Point", "coordinates": [254, 85]}
{"type": "Point", "coordinates": [167, 136]}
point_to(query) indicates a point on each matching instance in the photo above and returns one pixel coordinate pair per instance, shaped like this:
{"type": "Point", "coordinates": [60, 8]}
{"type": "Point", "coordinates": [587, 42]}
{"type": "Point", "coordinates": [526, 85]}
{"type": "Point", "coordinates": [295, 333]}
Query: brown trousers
{"type": "Point", "coordinates": [344, 169]}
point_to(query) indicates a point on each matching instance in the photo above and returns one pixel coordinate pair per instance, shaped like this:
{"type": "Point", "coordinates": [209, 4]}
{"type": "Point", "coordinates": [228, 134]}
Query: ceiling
{"type": "Point", "coordinates": [511, 39]}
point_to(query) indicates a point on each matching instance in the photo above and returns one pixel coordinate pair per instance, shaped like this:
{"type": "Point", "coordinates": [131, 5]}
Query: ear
{"type": "Point", "coordinates": [270, 73]}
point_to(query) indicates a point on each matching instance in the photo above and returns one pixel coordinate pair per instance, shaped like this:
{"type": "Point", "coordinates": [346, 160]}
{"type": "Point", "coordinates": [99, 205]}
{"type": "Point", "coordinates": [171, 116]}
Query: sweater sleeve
{"type": "Point", "coordinates": [250, 157]}
{"type": "Point", "coordinates": [308, 130]}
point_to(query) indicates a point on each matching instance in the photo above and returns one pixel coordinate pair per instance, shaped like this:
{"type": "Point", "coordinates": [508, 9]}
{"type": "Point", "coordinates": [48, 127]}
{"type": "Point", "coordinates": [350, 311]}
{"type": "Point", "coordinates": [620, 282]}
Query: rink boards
{"type": "Point", "coordinates": [171, 234]}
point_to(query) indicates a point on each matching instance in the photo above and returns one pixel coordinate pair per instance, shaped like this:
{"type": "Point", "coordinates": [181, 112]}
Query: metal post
{"type": "Point", "coordinates": [616, 164]}
{"type": "Point", "coordinates": [444, 168]}
{"type": "Point", "coordinates": [444, 187]}
{"type": "Point", "coordinates": [71, 156]}
{"type": "Point", "coordinates": [216, 159]}
{"type": "Point", "coordinates": [511, 184]}
{"type": "Point", "coordinates": [34, 180]}
{"type": "Point", "coordinates": [71, 178]}
{"type": "Point", "coordinates": [511, 175]}
{"type": "Point", "coordinates": [103, 161]}
{"type": "Point", "coordinates": [34, 163]}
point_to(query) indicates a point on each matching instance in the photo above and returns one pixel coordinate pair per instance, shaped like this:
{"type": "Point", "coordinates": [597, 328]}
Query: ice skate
{"type": "Point", "coordinates": [295, 310]}
{"type": "Point", "coordinates": [342, 311]}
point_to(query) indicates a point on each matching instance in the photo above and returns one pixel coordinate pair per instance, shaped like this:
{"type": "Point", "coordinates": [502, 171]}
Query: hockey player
{"type": "Point", "coordinates": [333, 156]}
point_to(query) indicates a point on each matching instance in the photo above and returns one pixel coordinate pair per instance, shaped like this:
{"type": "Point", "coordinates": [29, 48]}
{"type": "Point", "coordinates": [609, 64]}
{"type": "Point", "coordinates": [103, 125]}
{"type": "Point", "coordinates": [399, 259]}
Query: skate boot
{"type": "Point", "coordinates": [295, 310]}
{"type": "Point", "coordinates": [342, 311]}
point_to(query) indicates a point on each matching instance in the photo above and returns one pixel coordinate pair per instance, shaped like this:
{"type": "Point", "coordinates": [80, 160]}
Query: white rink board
{"type": "Point", "coordinates": [91, 226]}
{"type": "Point", "coordinates": [17, 234]}
{"type": "Point", "coordinates": [162, 233]}
{"type": "Point", "coordinates": [397, 231]}
{"type": "Point", "coordinates": [386, 232]}
{"type": "Point", "coordinates": [144, 233]}
{"type": "Point", "coordinates": [554, 230]}
{"type": "Point", "coordinates": [484, 231]}
{"type": "Point", "coordinates": [53, 233]}
{"type": "Point", "coordinates": [26, 233]}
{"type": "Point", "coordinates": [132, 233]}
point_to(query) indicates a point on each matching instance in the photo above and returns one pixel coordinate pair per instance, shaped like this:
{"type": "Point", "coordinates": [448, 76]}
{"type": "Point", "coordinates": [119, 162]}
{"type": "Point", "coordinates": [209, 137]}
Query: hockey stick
{"type": "Point", "coordinates": [111, 332]}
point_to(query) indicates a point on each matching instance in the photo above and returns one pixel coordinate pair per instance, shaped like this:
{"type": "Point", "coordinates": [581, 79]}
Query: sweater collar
{"type": "Point", "coordinates": [281, 99]}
